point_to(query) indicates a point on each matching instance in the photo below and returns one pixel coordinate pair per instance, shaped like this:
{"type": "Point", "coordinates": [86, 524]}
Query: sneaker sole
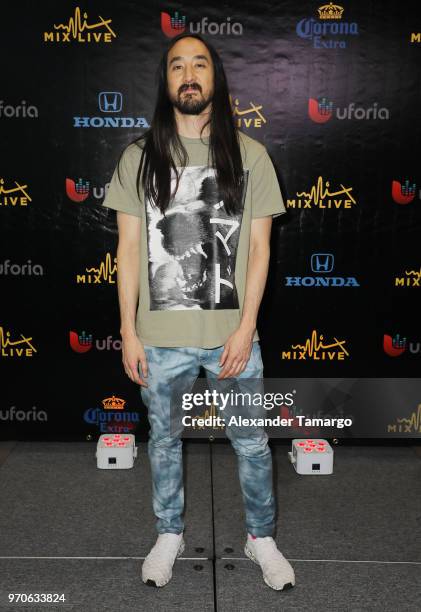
{"type": "Point", "coordinates": [249, 554]}
{"type": "Point", "coordinates": [152, 583]}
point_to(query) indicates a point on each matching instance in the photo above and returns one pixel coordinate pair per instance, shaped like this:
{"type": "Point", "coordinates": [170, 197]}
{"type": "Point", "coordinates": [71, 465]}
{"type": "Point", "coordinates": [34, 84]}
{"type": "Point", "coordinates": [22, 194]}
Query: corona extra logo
{"type": "Point", "coordinates": [113, 403]}
{"type": "Point", "coordinates": [330, 11]}
{"type": "Point", "coordinates": [328, 31]}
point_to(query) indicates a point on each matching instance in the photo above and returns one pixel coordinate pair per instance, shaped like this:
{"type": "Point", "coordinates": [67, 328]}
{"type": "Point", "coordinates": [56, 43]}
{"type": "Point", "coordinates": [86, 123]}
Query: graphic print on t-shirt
{"type": "Point", "coordinates": [192, 249]}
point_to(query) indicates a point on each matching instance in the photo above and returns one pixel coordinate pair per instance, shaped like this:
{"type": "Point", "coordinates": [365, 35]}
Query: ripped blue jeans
{"type": "Point", "coordinates": [170, 367]}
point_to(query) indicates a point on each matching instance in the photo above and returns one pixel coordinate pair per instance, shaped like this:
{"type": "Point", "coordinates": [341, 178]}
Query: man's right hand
{"type": "Point", "coordinates": [133, 353]}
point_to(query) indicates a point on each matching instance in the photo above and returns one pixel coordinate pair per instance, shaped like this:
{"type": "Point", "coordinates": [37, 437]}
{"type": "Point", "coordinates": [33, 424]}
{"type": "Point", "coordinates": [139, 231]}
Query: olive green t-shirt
{"type": "Point", "coordinates": [193, 260]}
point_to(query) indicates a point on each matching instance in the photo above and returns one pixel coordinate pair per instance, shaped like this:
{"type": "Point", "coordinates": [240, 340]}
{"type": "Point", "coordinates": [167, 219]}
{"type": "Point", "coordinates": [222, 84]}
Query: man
{"type": "Point", "coordinates": [195, 200]}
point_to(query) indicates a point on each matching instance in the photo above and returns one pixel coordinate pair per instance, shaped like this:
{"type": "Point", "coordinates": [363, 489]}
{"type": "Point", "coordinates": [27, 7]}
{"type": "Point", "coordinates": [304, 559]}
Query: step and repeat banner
{"type": "Point", "coordinates": [332, 90]}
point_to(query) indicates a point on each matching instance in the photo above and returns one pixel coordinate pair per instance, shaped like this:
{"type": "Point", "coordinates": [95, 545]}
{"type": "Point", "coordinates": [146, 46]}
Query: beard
{"type": "Point", "coordinates": [191, 104]}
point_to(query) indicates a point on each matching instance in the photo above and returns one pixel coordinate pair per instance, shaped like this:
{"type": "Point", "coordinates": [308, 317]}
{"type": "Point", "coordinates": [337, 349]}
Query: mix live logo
{"type": "Point", "coordinates": [251, 116]}
{"type": "Point", "coordinates": [104, 273]}
{"type": "Point", "coordinates": [321, 195]}
{"type": "Point", "coordinates": [14, 195]}
{"type": "Point", "coordinates": [411, 278]}
{"type": "Point", "coordinates": [317, 349]}
{"type": "Point", "coordinates": [404, 193]}
{"type": "Point", "coordinates": [10, 346]}
{"type": "Point", "coordinates": [78, 29]}
{"type": "Point", "coordinates": [397, 346]}
{"type": "Point", "coordinates": [80, 190]}
{"type": "Point", "coordinates": [321, 110]}
{"type": "Point", "coordinates": [82, 343]}
{"type": "Point", "coordinates": [172, 26]}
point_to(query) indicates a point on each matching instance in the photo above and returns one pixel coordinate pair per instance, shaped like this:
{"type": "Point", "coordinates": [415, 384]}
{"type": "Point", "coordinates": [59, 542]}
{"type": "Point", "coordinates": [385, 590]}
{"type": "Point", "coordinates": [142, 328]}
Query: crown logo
{"type": "Point", "coordinates": [330, 11]}
{"type": "Point", "coordinates": [113, 403]}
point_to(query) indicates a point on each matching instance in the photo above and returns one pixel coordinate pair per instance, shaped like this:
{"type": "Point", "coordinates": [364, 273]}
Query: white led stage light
{"type": "Point", "coordinates": [116, 451]}
{"type": "Point", "coordinates": [311, 456]}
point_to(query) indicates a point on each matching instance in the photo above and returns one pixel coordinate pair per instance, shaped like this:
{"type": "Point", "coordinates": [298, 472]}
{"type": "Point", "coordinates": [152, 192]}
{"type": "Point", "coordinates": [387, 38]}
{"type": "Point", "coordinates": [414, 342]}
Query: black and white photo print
{"type": "Point", "coordinates": [192, 249]}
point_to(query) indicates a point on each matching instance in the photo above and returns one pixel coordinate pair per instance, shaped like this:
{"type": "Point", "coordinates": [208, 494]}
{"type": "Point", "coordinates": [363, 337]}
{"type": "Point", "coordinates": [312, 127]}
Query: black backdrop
{"type": "Point", "coordinates": [335, 101]}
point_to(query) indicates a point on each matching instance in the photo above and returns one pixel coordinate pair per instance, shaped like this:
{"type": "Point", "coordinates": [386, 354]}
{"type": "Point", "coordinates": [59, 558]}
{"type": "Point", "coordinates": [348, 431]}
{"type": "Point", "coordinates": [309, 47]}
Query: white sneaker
{"type": "Point", "coordinates": [157, 567]}
{"type": "Point", "coordinates": [277, 571]}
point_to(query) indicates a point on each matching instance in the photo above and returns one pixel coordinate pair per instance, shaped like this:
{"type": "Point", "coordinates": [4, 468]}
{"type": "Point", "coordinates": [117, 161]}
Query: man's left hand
{"type": "Point", "coordinates": [236, 353]}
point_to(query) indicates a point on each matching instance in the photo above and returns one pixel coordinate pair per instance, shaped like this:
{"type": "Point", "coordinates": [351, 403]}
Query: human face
{"type": "Point", "coordinates": [190, 76]}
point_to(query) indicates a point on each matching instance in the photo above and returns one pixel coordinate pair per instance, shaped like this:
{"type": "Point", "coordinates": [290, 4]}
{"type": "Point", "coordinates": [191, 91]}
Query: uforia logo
{"type": "Point", "coordinates": [112, 418]}
{"type": "Point", "coordinates": [79, 30]}
{"type": "Point", "coordinates": [104, 273]}
{"type": "Point", "coordinates": [110, 103]}
{"type": "Point", "coordinates": [321, 111]}
{"type": "Point", "coordinates": [11, 348]}
{"type": "Point", "coordinates": [30, 415]}
{"type": "Point", "coordinates": [328, 25]}
{"type": "Point", "coordinates": [411, 279]}
{"type": "Point", "coordinates": [404, 193]}
{"type": "Point", "coordinates": [247, 117]}
{"type": "Point", "coordinates": [27, 269]}
{"type": "Point", "coordinates": [396, 346]}
{"type": "Point", "coordinates": [315, 348]}
{"type": "Point", "coordinates": [79, 191]}
{"type": "Point", "coordinates": [321, 197]}
{"type": "Point", "coordinates": [18, 112]}
{"type": "Point", "coordinates": [321, 264]}
{"type": "Point", "coordinates": [14, 196]}
{"type": "Point", "coordinates": [82, 343]}
{"type": "Point", "coordinates": [172, 26]}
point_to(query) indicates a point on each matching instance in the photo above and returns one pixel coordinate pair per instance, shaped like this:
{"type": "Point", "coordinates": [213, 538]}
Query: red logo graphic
{"type": "Point", "coordinates": [171, 26]}
{"type": "Point", "coordinates": [394, 346]}
{"type": "Point", "coordinates": [78, 192]}
{"type": "Point", "coordinates": [403, 194]}
{"type": "Point", "coordinates": [319, 112]}
{"type": "Point", "coordinates": [80, 344]}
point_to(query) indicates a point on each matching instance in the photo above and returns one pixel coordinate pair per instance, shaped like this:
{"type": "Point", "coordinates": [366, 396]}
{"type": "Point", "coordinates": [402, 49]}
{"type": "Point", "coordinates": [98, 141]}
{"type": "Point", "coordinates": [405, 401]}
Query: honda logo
{"type": "Point", "coordinates": [110, 101]}
{"type": "Point", "coordinates": [322, 262]}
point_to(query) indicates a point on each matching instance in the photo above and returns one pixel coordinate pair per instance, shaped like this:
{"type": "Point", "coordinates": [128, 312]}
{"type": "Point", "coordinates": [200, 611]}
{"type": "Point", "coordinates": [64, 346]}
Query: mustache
{"type": "Point", "coordinates": [189, 86]}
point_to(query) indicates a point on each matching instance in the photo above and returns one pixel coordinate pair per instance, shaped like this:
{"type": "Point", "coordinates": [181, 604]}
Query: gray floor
{"type": "Point", "coordinates": [353, 538]}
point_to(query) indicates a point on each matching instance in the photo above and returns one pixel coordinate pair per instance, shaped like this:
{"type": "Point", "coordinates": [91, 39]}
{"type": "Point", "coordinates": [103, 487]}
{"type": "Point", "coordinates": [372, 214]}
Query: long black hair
{"type": "Point", "coordinates": [224, 145]}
